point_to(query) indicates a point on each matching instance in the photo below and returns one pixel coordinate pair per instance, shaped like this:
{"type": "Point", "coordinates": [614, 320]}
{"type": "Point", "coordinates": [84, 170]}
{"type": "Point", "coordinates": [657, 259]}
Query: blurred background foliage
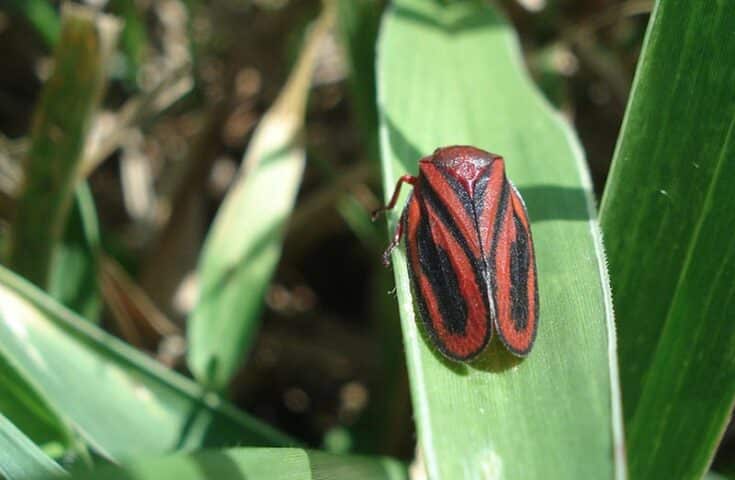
{"type": "Point", "coordinates": [199, 97]}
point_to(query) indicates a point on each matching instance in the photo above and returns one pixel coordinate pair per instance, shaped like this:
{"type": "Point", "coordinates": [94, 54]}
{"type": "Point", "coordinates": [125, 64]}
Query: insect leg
{"type": "Point", "coordinates": [397, 234]}
{"type": "Point", "coordinates": [410, 179]}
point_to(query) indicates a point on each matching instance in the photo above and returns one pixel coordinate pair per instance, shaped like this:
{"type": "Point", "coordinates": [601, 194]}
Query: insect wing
{"type": "Point", "coordinates": [511, 263]}
{"type": "Point", "coordinates": [447, 276]}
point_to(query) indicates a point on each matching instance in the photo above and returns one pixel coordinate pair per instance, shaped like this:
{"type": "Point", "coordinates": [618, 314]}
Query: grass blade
{"type": "Point", "coordinates": [62, 119]}
{"type": "Point", "coordinates": [73, 280]}
{"type": "Point", "coordinates": [122, 403]}
{"type": "Point", "coordinates": [668, 216]}
{"type": "Point", "coordinates": [133, 39]}
{"type": "Point", "coordinates": [358, 23]}
{"type": "Point", "coordinates": [26, 408]}
{"type": "Point", "coordinates": [20, 458]}
{"type": "Point", "coordinates": [270, 463]}
{"type": "Point", "coordinates": [41, 15]}
{"type": "Point", "coordinates": [243, 247]}
{"type": "Point", "coordinates": [384, 425]}
{"type": "Point", "coordinates": [715, 476]}
{"type": "Point", "coordinates": [451, 74]}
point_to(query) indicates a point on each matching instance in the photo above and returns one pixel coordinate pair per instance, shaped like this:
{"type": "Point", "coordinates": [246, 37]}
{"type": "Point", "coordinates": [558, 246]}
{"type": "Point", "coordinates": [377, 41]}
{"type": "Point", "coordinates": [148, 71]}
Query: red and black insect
{"type": "Point", "coordinates": [470, 253]}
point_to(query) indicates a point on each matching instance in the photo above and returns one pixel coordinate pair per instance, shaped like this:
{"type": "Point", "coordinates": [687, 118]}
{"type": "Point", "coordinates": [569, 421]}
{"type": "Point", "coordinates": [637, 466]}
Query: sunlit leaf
{"type": "Point", "coordinates": [244, 244]}
{"type": "Point", "coordinates": [256, 463]}
{"type": "Point", "coordinates": [452, 74]}
{"type": "Point", "coordinates": [120, 401]}
{"type": "Point", "coordinates": [20, 458]}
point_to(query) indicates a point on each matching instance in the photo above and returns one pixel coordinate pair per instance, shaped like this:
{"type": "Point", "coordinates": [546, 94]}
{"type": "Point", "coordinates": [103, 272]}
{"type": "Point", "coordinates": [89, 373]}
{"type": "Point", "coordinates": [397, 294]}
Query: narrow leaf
{"type": "Point", "coordinates": [61, 121]}
{"type": "Point", "coordinates": [23, 405]}
{"type": "Point", "coordinates": [73, 280]}
{"type": "Point", "coordinates": [384, 426]}
{"type": "Point", "coordinates": [668, 215]}
{"type": "Point", "coordinates": [452, 74]}
{"type": "Point", "coordinates": [255, 463]}
{"type": "Point", "coordinates": [715, 476]}
{"type": "Point", "coordinates": [133, 38]}
{"type": "Point", "coordinates": [242, 249]}
{"type": "Point", "coordinates": [41, 15]}
{"type": "Point", "coordinates": [358, 23]}
{"type": "Point", "coordinates": [20, 459]}
{"type": "Point", "coordinates": [120, 401]}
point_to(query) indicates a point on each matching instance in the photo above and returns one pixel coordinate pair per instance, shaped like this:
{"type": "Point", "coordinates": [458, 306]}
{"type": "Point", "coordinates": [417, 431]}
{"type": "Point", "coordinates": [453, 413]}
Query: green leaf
{"type": "Point", "coordinates": [384, 426]}
{"type": "Point", "coordinates": [668, 215]}
{"type": "Point", "coordinates": [22, 404]}
{"type": "Point", "coordinates": [133, 39]}
{"type": "Point", "coordinates": [452, 74]}
{"type": "Point", "coordinates": [255, 463]}
{"type": "Point", "coordinates": [61, 122]}
{"type": "Point", "coordinates": [715, 476]}
{"type": "Point", "coordinates": [358, 23]}
{"type": "Point", "coordinates": [41, 15]}
{"type": "Point", "coordinates": [243, 247]}
{"type": "Point", "coordinates": [20, 459]}
{"type": "Point", "coordinates": [73, 280]}
{"type": "Point", "coordinates": [120, 401]}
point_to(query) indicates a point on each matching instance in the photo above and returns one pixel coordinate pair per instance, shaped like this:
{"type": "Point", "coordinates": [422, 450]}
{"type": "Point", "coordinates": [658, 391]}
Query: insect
{"type": "Point", "coordinates": [470, 253]}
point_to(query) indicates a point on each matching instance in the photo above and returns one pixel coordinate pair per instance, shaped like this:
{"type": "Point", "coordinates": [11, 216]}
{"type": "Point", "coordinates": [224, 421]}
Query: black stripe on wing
{"type": "Point", "coordinates": [520, 259]}
{"type": "Point", "coordinates": [429, 195]}
{"type": "Point", "coordinates": [437, 268]}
